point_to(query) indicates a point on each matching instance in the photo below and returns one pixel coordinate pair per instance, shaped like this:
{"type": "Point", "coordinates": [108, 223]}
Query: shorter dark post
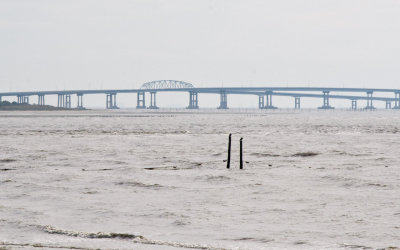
{"type": "Point", "coordinates": [228, 163]}
{"type": "Point", "coordinates": [241, 153]}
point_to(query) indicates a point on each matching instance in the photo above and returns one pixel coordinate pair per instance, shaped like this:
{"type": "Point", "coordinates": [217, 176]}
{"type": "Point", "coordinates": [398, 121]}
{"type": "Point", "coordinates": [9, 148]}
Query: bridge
{"type": "Point", "coordinates": [263, 95]}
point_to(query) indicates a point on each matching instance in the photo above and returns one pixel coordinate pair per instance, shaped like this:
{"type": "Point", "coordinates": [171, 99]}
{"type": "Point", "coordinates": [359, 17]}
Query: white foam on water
{"type": "Point", "coordinates": [312, 180]}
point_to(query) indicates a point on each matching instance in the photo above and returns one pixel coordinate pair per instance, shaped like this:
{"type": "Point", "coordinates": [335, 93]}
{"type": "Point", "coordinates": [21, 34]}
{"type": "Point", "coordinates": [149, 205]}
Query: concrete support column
{"type": "Point", "coordinates": [108, 101]}
{"type": "Point", "coordinates": [297, 103]}
{"type": "Point", "coordinates": [111, 101]}
{"type": "Point", "coordinates": [153, 104]}
{"type": "Point", "coordinates": [141, 100]}
{"type": "Point", "coordinates": [260, 101]}
{"type": "Point", "coordinates": [193, 100]}
{"type": "Point", "coordinates": [353, 104]}
{"type": "Point", "coordinates": [388, 104]}
{"type": "Point", "coordinates": [23, 99]}
{"type": "Point", "coordinates": [67, 104]}
{"type": "Point", "coordinates": [397, 100]}
{"type": "Point", "coordinates": [61, 101]}
{"type": "Point", "coordinates": [326, 101]}
{"type": "Point", "coordinates": [41, 101]}
{"type": "Point", "coordinates": [223, 103]}
{"type": "Point", "coordinates": [268, 99]}
{"type": "Point", "coordinates": [369, 101]}
{"type": "Point", "coordinates": [80, 101]}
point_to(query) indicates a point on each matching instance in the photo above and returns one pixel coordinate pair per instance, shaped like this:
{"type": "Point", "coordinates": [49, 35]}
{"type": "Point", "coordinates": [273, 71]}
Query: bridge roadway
{"type": "Point", "coordinates": [264, 95]}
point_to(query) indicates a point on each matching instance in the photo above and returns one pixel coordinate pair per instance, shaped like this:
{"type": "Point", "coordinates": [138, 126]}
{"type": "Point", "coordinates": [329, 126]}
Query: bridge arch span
{"type": "Point", "coordinates": [167, 84]}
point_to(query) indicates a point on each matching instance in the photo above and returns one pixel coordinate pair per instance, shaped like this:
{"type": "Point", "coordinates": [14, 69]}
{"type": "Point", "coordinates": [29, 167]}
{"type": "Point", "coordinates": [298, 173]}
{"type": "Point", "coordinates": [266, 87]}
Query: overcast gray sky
{"type": "Point", "coordinates": [87, 44]}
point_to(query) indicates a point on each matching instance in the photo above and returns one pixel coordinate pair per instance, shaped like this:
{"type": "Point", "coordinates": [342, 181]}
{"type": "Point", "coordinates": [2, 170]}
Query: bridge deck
{"type": "Point", "coordinates": [201, 90]}
{"type": "Point", "coordinates": [295, 92]}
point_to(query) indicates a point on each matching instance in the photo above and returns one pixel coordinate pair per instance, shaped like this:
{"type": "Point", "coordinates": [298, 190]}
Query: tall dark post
{"type": "Point", "coordinates": [241, 153]}
{"type": "Point", "coordinates": [228, 163]}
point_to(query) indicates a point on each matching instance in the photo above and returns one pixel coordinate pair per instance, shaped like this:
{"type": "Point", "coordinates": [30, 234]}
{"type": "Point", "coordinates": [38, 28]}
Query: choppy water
{"type": "Point", "coordinates": [157, 180]}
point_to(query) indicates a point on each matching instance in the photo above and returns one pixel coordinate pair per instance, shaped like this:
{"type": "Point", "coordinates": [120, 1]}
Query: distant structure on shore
{"type": "Point", "coordinates": [264, 95]}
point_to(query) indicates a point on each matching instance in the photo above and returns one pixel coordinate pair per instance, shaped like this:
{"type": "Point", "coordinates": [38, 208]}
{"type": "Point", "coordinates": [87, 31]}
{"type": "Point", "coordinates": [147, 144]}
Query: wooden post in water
{"type": "Point", "coordinates": [241, 153]}
{"type": "Point", "coordinates": [228, 162]}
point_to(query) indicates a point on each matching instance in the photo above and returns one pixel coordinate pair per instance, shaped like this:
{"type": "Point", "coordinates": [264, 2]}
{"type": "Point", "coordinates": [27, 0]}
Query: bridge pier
{"type": "Point", "coordinates": [388, 105]}
{"type": "Point", "coordinates": [67, 102]}
{"type": "Point", "coordinates": [41, 101]}
{"type": "Point", "coordinates": [297, 103]}
{"type": "Point", "coordinates": [80, 101]}
{"type": "Point", "coordinates": [369, 106]}
{"type": "Point", "coordinates": [193, 100]}
{"type": "Point", "coordinates": [326, 101]}
{"type": "Point", "coordinates": [64, 101]}
{"type": "Point", "coordinates": [268, 98]}
{"type": "Point", "coordinates": [223, 104]}
{"type": "Point", "coordinates": [353, 104]}
{"type": "Point", "coordinates": [23, 99]}
{"type": "Point", "coordinates": [397, 100]}
{"type": "Point", "coordinates": [153, 104]}
{"type": "Point", "coordinates": [61, 101]}
{"type": "Point", "coordinates": [260, 101]}
{"type": "Point", "coordinates": [141, 100]}
{"type": "Point", "coordinates": [111, 102]}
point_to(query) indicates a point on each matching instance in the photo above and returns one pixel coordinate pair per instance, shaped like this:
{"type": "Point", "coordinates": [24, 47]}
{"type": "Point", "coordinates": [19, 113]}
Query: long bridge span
{"type": "Point", "coordinates": [264, 95]}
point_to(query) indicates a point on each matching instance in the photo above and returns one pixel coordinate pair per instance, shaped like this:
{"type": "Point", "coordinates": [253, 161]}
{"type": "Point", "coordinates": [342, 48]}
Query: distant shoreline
{"type": "Point", "coordinates": [13, 106]}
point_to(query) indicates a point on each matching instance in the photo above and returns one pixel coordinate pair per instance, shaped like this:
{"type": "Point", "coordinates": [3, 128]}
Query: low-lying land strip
{"type": "Point", "coordinates": [13, 106]}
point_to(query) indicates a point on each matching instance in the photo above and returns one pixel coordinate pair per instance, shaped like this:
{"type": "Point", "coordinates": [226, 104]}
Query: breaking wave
{"type": "Point", "coordinates": [124, 236]}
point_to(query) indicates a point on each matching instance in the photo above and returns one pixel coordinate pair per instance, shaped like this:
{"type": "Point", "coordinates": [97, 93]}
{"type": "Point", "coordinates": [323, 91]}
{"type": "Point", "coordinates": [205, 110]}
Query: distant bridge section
{"type": "Point", "coordinates": [167, 84]}
{"type": "Point", "coordinates": [264, 95]}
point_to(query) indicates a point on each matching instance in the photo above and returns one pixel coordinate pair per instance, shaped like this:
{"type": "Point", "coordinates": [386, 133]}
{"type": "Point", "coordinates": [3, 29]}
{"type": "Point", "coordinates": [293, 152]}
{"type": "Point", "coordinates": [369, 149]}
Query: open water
{"type": "Point", "coordinates": [157, 180]}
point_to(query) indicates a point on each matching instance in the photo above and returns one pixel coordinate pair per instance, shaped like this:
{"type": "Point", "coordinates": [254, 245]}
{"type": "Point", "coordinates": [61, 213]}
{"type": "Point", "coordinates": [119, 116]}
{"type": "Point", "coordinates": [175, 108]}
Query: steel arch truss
{"type": "Point", "coordinates": [166, 84]}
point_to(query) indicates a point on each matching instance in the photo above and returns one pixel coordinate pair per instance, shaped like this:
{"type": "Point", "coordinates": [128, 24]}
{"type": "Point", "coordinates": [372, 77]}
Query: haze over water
{"type": "Point", "coordinates": [157, 180]}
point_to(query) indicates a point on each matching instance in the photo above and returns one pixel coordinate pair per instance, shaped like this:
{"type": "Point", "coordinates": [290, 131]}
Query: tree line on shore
{"type": "Point", "coordinates": [6, 105]}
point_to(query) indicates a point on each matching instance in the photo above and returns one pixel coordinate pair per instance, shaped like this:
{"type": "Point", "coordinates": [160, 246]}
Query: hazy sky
{"type": "Point", "coordinates": [69, 44]}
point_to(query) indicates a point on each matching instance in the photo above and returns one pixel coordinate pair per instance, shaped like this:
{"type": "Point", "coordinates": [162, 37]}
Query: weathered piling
{"type": "Point", "coordinates": [228, 162]}
{"type": "Point", "coordinates": [241, 153]}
